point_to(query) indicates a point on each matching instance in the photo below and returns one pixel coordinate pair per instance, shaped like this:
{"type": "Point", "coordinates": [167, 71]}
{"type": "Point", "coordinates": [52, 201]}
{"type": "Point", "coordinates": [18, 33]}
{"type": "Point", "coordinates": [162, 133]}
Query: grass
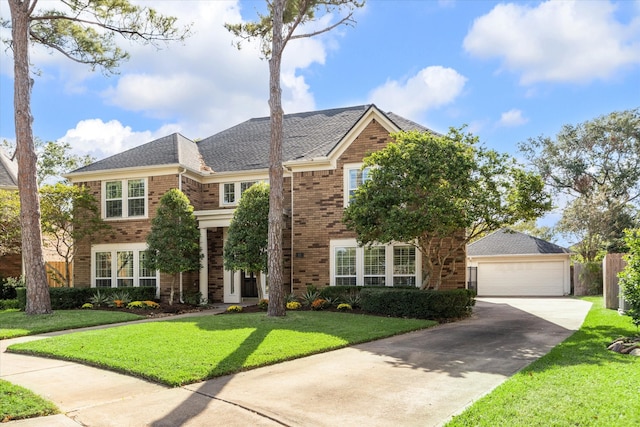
{"type": "Point", "coordinates": [182, 351]}
{"type": "Point", "coordinates": [17, 403]}
{"type": "Point", "coordinates": [579, 383]}
{"type": "Point", "coordinates": [16, 323]}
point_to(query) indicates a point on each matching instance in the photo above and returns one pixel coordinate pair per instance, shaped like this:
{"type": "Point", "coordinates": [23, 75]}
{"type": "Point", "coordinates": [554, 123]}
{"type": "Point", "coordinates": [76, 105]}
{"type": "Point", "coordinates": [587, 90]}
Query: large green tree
{"type": "Point", "coordinates": [83, 31]}
{"type": "Point", "coordinates": [174, 238]}
{"type": "Point", "coordinates": [630, 276]}
{"type": "Point", "coordinates": [70, 214]}
{"type": "Point", "coordinates": [274, 30]}
{"type": "Point", "coordinates": [10, 238]}
{"type": "Point", "coordinates": [438, 192]}
{"type": "Point", "coordinates": [595, 167]}
{"type": "Point", "coordinates": [246, 245]}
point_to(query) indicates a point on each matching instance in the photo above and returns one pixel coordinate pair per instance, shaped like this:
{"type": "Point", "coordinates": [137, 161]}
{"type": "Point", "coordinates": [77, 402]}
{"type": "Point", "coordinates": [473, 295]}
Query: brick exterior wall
{"type": "Point", "coordinates": [314, 220]}
{"type": "Point", "coordinates": [317, 216]}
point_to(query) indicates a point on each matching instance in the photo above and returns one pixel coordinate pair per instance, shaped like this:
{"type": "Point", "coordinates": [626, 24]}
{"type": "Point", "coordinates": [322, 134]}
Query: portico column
{"type": "Point", "coordinates": [204, 268]}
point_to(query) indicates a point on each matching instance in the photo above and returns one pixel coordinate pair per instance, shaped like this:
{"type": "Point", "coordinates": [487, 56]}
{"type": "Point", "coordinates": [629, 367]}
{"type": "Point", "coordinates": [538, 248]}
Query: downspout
{"type": "Point", "coordinates": [180, 188]}
{"type": "Point", "coordinates": [291, 256]}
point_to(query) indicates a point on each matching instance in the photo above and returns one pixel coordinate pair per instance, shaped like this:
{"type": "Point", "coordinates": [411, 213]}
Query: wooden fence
{"type": "Point", "coordinates": [53, 269]}
{"type": "Point", "coordinates": [611, 266]}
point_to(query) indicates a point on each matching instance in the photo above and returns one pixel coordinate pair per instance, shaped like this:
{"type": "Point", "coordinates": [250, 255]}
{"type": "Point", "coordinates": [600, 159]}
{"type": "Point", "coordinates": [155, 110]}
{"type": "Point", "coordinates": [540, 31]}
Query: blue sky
{"type": "Point", "coordinates": [510, 71]}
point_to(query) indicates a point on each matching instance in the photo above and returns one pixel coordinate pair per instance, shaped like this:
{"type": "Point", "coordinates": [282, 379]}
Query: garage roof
{"type": "Point", "coordinates": [509, 242]}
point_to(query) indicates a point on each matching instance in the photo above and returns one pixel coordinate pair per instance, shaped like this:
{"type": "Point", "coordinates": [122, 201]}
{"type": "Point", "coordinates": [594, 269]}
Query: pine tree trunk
{"type": "Point", "coordinates": [38, 299]}
{"type": "Point", "coordinates": [276, 179]}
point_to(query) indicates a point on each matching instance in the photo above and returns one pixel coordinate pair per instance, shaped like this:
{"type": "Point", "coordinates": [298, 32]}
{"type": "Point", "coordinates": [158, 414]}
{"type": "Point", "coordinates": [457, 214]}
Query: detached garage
{"type": "Point", "coordinates": [509, 263]}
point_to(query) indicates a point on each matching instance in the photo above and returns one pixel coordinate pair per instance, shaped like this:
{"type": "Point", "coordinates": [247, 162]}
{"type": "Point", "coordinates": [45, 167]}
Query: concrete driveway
{"type": "Point", "coordinates": [417, 379]}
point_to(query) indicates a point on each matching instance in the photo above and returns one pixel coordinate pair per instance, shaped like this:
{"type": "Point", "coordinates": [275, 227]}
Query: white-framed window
{"type": "Point", "coordinates": [124, 198]}
{"type": "Point", "coordinates": [121, 265]}
{"type": "Point", "coordinates": [397, 264]}
{"type": "Point", "coordinates": [354, 176]}
{"type": "Point", "coordinates": [230, 192]}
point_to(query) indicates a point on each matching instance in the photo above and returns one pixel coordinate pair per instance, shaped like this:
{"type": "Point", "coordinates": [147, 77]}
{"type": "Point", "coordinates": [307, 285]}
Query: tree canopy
{"type": "Point", "coordinates": [595, 167]}
{"type": "Point", "coordinates": [174, 238]}
{"type": "Point", "coordinates": [274, 31]}
{"type": "Point", "coordinates": [438, 192]}
{"type": "Point", "coordinates": [246, 245]}
{"type": "Point", "coordinates": [10, 237]}
{"type": "Point", "coordinates": [70, 214]}
{"type": "Point", "coordinates": [83, 31]}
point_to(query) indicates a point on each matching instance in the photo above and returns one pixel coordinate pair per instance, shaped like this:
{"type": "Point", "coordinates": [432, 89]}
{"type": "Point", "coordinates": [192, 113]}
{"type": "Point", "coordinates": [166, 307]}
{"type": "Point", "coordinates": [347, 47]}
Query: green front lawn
{"type": "Point", "coordinates": [579, 383]}
{"type": "Point", "coordinates": [14, 323]}
{"type": "Point", "coordinates": [17, 403]}
{"type": "Point", "coordinates": [188, 350]}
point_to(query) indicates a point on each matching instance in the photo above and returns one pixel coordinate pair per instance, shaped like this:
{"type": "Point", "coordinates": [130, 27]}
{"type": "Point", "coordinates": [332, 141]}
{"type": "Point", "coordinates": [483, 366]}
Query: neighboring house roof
{"type": "Point", "coordinates": [169, 150]}
{"type": "Point", "coordinates": [8, 172]}
{"type": "Point", "coordinates": [509, 242]}
{"type": "Point", "coordinates": [246, 146]}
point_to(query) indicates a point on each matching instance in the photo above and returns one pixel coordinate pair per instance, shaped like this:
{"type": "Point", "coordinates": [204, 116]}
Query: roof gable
{"type": "Point", "coordinates": [169, 150]}
{"type": "Point", "coordinates": [8, 172]}
{"type": "Point", "coordinates": [509, 242]}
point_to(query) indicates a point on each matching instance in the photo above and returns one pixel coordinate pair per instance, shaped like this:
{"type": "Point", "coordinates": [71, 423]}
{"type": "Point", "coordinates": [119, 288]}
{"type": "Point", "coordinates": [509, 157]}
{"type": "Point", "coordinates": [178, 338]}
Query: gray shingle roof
{"type": "Point", "coordinates": [306, 135]}
{"type": "Point", "coordinates": [8, 172]}
{"type": "Point", "coordinates": [246, 146]}
{"type": "Point", "coordinates": [508, 242]}
{"type": "Point", "coordinates": [168, 150]}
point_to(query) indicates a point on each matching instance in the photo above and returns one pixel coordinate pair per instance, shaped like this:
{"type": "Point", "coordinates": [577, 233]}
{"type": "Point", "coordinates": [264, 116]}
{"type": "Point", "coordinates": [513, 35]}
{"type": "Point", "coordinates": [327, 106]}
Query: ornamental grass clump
{"type": "Point", "coordinates": [234, 309]}
{"type": "Point", "coordinates": [293, 305]}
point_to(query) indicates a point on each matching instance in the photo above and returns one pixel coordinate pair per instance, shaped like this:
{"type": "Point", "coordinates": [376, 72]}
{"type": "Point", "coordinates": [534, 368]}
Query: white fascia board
{"type": "Point", "coordinates": [235, 176]}
{"type": "Point", "coordinates": [214, 218]}
{"type": "Point", "coordinates": [135, 172]}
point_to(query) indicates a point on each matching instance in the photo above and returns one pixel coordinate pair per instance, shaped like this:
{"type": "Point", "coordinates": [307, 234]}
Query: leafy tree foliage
{"type": "Point", "coordinates": [174, 238]}
{"type": "Point", "coordinates": [531, 228]}
{"type": "Point", "coordinates": [83, 31]}
{"type": "Point", "coordinates": [274, 31]}
{"type": "Point", "coordinates": [10, 238]}
{"type": "Point", "coordinates": [438, 192]}
{"type": "Point", "coordinates": [630, 276]}
{"type": "Point", "coordinates": [54, 159]}
{"type": "Point", "coordinates": [596, 164]}
{"type": "Point", "coordinates": [246, 245]}
{"type": "Point", "coordinates": [70, 214]}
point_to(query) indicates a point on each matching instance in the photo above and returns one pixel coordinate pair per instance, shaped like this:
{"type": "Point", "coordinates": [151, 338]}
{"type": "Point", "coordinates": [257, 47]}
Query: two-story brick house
{"type": "Point", "coordinates": [323, 153]}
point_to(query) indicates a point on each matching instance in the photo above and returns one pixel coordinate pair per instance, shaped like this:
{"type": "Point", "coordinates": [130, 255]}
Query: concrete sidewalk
{"type": "Point", "coordinates": [417, 379]}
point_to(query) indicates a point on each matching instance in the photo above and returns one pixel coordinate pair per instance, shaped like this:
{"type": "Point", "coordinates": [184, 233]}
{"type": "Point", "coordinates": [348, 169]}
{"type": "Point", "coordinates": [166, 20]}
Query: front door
{"type": "Point", "coordinates": [249, 285]}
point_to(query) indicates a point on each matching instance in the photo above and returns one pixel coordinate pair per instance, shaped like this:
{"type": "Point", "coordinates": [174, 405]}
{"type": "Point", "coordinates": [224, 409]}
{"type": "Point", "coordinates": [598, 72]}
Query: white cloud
{"type": "Point", "coordinates": [100, 139]}
{"type": "Point", "coordinates": [512, 118]}
{"type": "Point", "coordinates": [430, 88]}
{"type": "Point", "coordinates": [556, 41]}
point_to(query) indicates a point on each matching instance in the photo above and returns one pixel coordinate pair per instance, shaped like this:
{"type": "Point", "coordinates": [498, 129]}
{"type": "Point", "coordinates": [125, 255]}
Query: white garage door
{"type": "Point", "coordinates": [521, 278]}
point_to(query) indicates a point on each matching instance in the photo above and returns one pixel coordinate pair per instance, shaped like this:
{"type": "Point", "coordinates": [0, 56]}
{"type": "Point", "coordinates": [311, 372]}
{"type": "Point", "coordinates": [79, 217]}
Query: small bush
{"type": "Point", "coordinates": [6, 304]}
{"type": "Point", "coordinates": [136, 304]}
{"type": "Point", "coordinates": [418, 304]}
{"type": "Point", "coordinates": [8, 287]}
{"type": "Point", "coordinates": [119, 299]}
{"type": "Point", "coordinates": [344, 307]}
{"type": "Point", "coordinates": [192, 297]}
{"type": "Point", "coordinates": [263, 304]}
{"type": "Point", "coordinates": [99, 299]}
{"type": "Point", "coordinates": [234, 309]}
{"type": "Point", "coordinates": [293, 305]}
{"type": "Point", "coordinates": [21, 294]}
{"type": "Point", "coordinates": [87, 305]}
{"type": "Point", "coordinates": [319, 304]}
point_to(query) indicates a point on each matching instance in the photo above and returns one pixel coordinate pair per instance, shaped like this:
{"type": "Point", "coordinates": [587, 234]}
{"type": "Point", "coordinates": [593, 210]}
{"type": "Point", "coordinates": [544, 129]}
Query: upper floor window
{"type": "Point", "coordinates": [125, 198]}
{"type": "Point", "coordinates": [354, 177]}
{"type": "Point", "coordinates": [232, 191]}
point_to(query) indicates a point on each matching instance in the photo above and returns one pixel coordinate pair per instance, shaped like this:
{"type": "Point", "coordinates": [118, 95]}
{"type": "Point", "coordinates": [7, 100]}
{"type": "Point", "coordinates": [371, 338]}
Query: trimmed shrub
{"type": "Point", "coordinates": [21, 294]}
{"type": "Point", "coordinates": [8, 288]}
{"type": "Point", "coordinates": [418, 304]}
{"type": "Point", "coordinates": [6, 304]}
{"type": "Point", "coordinates": [70, 298]}
{"type": "Point", "coordinates": [293, 305]}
